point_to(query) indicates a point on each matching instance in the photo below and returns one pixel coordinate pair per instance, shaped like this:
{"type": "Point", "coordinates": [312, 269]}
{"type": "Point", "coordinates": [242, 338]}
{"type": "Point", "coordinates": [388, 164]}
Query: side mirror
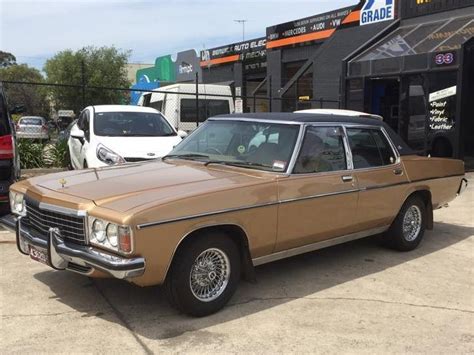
{"type": "Point", "coordinates": [182, 134]}
{"type": "Point", "coordinates": [78, 134]}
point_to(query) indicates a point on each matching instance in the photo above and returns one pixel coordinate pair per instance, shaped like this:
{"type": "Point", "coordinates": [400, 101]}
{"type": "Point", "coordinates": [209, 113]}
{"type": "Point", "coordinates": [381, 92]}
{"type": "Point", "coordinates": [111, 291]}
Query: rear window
{"type": "Point", "coordinates": [35, 121]}
{"type": "Point", "coordinates": [207, 108]}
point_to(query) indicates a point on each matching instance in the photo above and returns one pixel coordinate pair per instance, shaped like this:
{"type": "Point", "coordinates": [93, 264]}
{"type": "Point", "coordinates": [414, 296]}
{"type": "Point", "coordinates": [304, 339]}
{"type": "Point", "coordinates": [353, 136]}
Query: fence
{"type": "Point", "coordinates": [185, 104]}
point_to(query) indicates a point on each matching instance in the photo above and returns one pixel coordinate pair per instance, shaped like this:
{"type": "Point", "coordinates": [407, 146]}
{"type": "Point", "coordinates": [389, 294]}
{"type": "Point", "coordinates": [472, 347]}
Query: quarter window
{"type": "Point", "coordinates": [322, 150]}
{"type": "Point", "coordinates": [369, 148]}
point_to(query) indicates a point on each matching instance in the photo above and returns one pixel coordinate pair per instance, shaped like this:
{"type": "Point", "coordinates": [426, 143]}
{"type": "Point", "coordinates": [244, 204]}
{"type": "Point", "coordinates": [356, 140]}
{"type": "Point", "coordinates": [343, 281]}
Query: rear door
{"type": "Point", "coordinates": [380, 175]}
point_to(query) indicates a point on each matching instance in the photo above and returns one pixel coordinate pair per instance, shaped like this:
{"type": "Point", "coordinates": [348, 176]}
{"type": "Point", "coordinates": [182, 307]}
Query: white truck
{"type": "Point", "coordinates": [177, 103]}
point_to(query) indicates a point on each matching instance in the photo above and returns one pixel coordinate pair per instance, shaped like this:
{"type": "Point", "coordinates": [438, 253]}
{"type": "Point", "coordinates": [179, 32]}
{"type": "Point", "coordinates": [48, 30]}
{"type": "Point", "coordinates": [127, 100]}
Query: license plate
{"type": "Point", "coordinates": [39, 255]}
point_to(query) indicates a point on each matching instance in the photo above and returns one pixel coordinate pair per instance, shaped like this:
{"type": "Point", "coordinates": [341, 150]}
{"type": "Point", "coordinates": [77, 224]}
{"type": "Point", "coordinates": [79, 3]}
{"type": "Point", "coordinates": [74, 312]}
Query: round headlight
{"type": "Point", "coordinates": [98, 230]}
{"type": "Point", "coordinates": [112, 234]}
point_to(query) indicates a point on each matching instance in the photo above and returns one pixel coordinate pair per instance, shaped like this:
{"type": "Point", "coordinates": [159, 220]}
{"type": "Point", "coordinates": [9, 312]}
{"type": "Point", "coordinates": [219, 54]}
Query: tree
{"type": "Point", "coordinates": [105, 67]}
{"type": "Point", "coordinates": [6, 59]}
{"type": "Point", "coordinates": [32, 97]}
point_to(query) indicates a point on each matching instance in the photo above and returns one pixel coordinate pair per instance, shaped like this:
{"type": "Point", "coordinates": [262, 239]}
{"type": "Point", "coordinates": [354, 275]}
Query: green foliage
{"type": "Point", "coordinates": [31, 153]}
{"type": "Point", "coordinates": [105, 66]}
{"type": "Point", "coordinates": [38, 155]}
{"type": "Point", "coordinates": [6, 59]}
{"type": "Point", "coordinates": [56, 154]}
{"type": "Point", "coordinates": [32, 97]}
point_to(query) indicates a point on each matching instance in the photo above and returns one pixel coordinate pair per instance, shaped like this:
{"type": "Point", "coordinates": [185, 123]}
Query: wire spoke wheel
{"type": "Point", "coordinates": [412, 223]}
{"type": "Point", "coordinates": [209, 274]}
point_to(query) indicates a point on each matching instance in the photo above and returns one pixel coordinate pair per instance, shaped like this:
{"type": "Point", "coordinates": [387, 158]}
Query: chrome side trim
{"type": "Point", "coordinates": [205, 214]}
{"type": "Point", "coordinates": [212, 213]}
{"type": "Point", "coordinates": [316, 246]}
{"type": "Point", "coordinates": [319, 196]}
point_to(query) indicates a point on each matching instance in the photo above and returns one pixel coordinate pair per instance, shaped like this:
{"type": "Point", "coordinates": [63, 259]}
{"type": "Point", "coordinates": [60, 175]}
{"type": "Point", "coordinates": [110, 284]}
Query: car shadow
{"type": "Point", "coordinates": [146, 312]}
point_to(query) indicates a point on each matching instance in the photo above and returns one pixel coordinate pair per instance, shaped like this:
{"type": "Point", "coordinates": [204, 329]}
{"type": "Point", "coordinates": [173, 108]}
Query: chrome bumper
{"type": "Point", "coordinates": [62, 255]}
{"type": "Point", "coordinates": [462, 186]}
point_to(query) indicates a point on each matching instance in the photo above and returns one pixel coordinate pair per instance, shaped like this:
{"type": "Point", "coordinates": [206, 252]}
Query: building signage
{"type": "Point", "coordinates": [252, 51]}
{"type": "Point", "coordinates": [187, 65]}
{"type": "Point", "coordinates": [375, 11]}
{"type": "Point", "coordinates": [444, 58]}
{"type": "Point", "coordinates": [312, 28]}
{"type": "Point", "coordinates": [442, 109]}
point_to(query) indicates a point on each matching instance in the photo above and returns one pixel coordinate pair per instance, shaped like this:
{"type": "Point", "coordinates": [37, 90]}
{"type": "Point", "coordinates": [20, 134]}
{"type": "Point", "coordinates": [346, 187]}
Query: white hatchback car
{"type": "Point", "coordinates": [115, 134]}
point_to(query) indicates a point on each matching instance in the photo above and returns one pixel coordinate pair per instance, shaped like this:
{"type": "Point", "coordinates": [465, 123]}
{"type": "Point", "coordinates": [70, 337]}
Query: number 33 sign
{"type": "Point", "coordinates": [444, 58]}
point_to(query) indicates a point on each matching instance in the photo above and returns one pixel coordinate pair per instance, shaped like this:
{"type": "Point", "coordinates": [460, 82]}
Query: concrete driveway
{"type": "Point", "coordinates": [357, 297]}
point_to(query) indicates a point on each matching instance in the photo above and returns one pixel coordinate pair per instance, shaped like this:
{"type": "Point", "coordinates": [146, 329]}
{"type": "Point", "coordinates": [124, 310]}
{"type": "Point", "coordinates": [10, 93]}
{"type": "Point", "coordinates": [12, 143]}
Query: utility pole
{"type": "Point", "coordinates": [242, 22]}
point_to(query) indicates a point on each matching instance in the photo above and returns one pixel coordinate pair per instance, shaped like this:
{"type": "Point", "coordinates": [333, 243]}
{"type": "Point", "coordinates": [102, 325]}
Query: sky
{"type": "Point", "coordinates": [35, 30]}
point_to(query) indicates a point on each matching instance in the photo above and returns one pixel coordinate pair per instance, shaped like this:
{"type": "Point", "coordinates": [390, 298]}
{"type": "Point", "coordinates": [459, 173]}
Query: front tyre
{"type": "Point", "coordinates": [204, 274]}
{"type": "Point", "coordinates": [408, 228]}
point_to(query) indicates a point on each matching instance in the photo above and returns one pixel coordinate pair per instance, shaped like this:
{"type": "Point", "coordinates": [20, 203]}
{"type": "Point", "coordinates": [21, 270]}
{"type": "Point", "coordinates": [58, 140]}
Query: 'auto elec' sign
{"type": "Point", "coordinates": [376, 11]}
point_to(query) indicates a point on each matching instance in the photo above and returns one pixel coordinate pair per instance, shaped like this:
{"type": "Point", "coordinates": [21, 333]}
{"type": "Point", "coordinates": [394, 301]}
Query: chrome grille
{"type": "Point", "coordinates": [72, 228]}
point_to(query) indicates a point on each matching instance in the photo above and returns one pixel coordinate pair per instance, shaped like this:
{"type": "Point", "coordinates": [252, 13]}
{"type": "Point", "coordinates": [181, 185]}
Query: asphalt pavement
{"type": "Point", "coordinates": [353, 298]}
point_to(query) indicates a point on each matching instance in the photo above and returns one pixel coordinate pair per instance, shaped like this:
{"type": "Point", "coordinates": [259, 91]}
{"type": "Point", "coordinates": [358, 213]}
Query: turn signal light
{"type": "Point", "coordinates": [125, 240]}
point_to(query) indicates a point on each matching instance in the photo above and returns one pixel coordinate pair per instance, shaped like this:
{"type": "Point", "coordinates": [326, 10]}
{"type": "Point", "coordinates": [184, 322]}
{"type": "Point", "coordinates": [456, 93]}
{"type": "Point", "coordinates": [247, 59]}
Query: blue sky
{"type": "Point", "coordinates": [35, 30]}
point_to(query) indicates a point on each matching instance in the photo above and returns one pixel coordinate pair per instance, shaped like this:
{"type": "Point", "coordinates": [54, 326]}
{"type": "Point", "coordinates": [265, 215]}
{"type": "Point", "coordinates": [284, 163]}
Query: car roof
{"type": "Point", "coordinates": [298, 117]}
{"type": "Point", "coordinates": [123, 108]}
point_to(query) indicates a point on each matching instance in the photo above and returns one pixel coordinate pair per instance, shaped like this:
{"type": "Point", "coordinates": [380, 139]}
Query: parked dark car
{"type": "Point", "coordinates": [9, 162]}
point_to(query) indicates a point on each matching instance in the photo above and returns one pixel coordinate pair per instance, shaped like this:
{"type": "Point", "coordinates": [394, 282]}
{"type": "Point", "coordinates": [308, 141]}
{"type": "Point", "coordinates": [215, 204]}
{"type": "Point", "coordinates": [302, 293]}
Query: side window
{"type": "Point", "coordinates": [80, 120]}
{"type": "Point", "coordinates": [157, 105]}
{"type": "Point", "coordinates": [322, 150]}
{"type": "Point", "coordinates": [369, 148]}
{"type": "Point", "coordinates": [86, 124]}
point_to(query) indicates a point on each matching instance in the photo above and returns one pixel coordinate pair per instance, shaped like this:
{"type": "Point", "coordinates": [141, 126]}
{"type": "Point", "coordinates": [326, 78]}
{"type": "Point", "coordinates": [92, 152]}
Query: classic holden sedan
{"type": "Point", "coordinates": [240, 191]}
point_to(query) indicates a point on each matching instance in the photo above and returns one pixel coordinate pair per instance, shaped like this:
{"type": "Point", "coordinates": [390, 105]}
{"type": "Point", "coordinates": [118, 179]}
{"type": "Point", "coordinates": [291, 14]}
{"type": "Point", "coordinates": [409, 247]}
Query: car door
{"type": "Point", "coordinates": [318, 200]}
{"type": "Point", "coordinates": [380, 174]}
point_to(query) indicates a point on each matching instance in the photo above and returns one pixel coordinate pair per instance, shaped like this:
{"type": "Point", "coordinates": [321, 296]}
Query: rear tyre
{"type": "Point", "coordinates": [204, 274]}
{"type": "Point", "coordinates": [408, 228]}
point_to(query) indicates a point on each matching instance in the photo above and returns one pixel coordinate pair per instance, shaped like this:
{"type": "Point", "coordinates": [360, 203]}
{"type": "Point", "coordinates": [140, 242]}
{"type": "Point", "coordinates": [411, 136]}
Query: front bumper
{"type": "Point", "coordinates": [79, 258]}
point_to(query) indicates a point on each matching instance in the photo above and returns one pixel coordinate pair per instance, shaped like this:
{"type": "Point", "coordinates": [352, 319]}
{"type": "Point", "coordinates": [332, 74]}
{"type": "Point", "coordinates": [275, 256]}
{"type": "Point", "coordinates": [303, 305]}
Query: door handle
{"type": "Point", "coordinates": [398, 171]}
{"type": "Point", "coordinates": [347, 178]}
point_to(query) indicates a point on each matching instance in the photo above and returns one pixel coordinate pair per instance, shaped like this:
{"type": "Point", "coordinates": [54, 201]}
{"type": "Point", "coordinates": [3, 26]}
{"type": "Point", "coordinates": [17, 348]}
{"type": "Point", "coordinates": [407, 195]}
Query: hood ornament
{"type": "Point", "coordinates": [63, 182]}
{"type": "Point", "coordinates": [151, 154]}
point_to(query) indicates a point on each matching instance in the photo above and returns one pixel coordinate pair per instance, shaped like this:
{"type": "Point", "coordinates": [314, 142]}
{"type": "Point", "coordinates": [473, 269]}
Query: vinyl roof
{"type": "Point", "coordinates": [304, 118]}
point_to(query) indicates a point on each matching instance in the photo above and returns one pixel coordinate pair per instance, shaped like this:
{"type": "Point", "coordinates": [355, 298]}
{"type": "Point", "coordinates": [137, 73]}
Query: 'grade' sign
{"type": "Point", "coordinates": [376, 11]}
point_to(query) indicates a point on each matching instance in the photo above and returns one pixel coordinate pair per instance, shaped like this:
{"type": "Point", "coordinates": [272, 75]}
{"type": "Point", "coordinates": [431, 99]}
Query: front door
{"type": "Point", "coordinates": [318, 200]}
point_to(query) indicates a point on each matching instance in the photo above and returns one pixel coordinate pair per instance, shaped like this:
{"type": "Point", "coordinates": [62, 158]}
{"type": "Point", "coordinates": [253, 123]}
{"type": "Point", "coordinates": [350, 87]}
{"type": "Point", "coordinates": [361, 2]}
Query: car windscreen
{"type": "Point", "coordinates": [250, 144]}
{"type": "Point", "coordinates": [34, 121]}
{"type": "Point", "coordinates": [131, 124]}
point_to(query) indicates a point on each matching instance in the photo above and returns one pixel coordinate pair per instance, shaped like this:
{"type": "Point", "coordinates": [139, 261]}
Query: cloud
{"type": "Point", "coordinates": [36, 30]}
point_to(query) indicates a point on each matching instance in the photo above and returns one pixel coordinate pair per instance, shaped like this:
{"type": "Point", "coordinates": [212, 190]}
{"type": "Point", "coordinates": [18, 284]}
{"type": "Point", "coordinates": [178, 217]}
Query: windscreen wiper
{"type": "Point", "coordinates": [238, 164]}
{"type": "Point", "coordinates": [189, 156]}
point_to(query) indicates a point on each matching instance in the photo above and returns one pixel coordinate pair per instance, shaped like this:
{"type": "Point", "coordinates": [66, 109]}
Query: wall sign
{"type": "Point", "coordinates": [442, 109]}
{"type": "Point", "coordinates": [375, 11]}
{"type": "Point", "coordinates": [312, 28]}
{"type": "Point", "coordinates": [252, 51]}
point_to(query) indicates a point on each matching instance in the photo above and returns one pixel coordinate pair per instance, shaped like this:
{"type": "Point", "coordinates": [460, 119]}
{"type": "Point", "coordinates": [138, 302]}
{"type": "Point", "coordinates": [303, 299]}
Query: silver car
{"type": "Point", "coordinates": [33, 127]}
